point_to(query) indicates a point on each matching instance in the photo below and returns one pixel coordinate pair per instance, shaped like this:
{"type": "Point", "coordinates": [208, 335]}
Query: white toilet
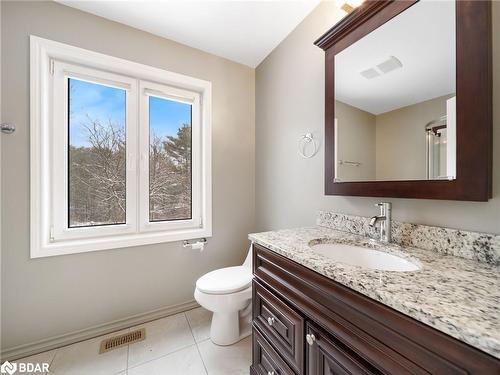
{"type": "Point", "coordinates": [227, 292]}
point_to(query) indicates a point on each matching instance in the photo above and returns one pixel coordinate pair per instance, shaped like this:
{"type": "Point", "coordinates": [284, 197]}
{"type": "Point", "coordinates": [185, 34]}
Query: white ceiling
{"type": "Point", "coordinates": [242, 31]}
{"type": "Point", "coordinates": [423, 39]}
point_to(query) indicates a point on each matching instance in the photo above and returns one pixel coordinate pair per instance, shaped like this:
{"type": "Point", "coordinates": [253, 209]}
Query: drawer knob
{"type": "Point", "coordinates": [270, 373]}
{"type": "Point", "coordinates": [270, 320]}
{"type": "Point", "coordinates": [310, 339]}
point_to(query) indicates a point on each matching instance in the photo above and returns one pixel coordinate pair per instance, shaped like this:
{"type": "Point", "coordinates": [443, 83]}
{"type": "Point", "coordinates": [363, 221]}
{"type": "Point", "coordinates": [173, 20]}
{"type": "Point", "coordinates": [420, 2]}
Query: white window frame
{"type": "Point", "coordinates": [146, 90]}
{"type": "Point", "coordinates": [51, 63]}
{"type": "Point", "coordinates": [62, 71]}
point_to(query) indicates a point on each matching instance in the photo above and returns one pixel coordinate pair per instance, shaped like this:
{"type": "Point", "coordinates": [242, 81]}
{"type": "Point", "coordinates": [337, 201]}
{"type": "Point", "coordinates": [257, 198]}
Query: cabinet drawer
{"type": "Point", "coordinates": [265, 359]}
{"type": "Point", "coordinates": [327, 356]}
{"type": "Point", "coordinates": [283, 327]}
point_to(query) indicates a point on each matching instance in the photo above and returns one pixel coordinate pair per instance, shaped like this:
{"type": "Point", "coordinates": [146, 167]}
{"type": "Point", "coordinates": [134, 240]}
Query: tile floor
{"type": "Point", "coordinates": [175, 345]}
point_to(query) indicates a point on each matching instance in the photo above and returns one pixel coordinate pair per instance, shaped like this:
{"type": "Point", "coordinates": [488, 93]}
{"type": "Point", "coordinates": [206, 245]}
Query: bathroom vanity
{"type": "Point", "coordinates": [408, 114]}
{"type": "Point", "coordinates": [314, 315]}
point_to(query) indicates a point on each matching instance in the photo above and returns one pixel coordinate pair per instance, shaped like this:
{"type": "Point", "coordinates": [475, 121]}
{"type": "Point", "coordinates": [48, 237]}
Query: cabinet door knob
{"type": "Point", "coordinates": [270, 320]}
{"type": "Point", "coordinates": [310, 339]}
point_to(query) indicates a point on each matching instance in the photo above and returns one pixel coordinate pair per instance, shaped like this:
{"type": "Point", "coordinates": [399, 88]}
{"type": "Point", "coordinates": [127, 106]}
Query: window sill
{"type": "Point", "coordinates": [114, 242]}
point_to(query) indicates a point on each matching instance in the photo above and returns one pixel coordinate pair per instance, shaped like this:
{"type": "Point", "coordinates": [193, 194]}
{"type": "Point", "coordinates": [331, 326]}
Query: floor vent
{"type": "Point", "coordinates": [122, 340]}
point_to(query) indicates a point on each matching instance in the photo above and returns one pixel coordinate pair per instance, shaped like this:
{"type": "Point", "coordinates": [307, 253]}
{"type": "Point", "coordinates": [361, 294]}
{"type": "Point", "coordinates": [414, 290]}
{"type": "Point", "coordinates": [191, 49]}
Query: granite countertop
{"type": "Point", "coordinates": [457, 296]}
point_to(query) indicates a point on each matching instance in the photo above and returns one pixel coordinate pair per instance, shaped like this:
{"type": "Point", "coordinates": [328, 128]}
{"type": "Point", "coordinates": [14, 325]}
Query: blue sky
{"type": "Point", "coordinates": [166, 116]}
{"type": "Point", "coordinates": [105, 104]}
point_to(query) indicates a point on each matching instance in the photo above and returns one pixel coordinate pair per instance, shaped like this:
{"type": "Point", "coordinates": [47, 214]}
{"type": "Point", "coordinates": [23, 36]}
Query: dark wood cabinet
{"type": "Point", "coordinates": [327, 356]}
{"type": "Point", "coordinates": [305, 323]}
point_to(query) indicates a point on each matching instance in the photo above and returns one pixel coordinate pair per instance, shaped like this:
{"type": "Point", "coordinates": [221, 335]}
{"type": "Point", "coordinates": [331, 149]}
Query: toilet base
{"type": "Point", "coordinates": [232, 315]}
{"type": "Point", "coordinates": [229, 328]}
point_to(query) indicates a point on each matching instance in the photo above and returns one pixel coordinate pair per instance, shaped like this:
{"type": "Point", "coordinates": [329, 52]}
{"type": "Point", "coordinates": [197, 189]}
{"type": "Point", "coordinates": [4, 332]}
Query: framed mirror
{"type": "Point", "coordinates": [408, 101]}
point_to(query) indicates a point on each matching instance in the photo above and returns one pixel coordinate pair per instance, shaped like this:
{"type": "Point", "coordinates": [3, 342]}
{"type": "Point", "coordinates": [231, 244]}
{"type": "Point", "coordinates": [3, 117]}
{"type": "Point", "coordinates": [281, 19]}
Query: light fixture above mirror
{"type": "Point", "coordinates": [349, 5]}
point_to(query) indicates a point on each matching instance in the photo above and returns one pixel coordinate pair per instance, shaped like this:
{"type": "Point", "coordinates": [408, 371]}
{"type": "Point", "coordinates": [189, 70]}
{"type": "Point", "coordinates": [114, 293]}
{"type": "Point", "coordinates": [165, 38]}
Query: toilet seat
{"type": "Point", "coordinates": [225, 280]}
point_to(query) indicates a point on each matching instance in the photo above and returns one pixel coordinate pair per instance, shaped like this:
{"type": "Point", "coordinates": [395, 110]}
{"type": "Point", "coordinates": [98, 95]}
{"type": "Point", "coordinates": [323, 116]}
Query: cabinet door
{"type": "Point", "coordinates": [326, 356]}
{"type": "Point", "coordinates": [265, 359]}
{"type": "Point", "coordinates": [282, 326]}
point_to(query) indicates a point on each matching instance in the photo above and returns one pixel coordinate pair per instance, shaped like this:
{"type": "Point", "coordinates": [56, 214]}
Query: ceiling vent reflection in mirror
{"type": "Point", "coordinates": [389, 65]}
{"type": "Point", "coordinates": [370, 73]}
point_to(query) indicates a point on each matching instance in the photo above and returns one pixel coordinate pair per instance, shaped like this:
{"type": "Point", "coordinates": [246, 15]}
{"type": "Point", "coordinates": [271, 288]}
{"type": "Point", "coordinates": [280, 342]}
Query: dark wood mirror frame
{"type": "Point", "coordinates": [474, 103]}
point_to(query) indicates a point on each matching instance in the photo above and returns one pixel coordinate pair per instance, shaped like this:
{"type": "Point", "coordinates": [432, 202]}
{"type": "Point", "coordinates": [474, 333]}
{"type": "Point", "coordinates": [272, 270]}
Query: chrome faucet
{"type": "Point", "coordinates": [385, 219]}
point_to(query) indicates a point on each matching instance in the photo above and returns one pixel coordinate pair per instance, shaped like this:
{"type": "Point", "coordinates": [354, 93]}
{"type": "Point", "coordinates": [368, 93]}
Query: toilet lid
{"type": "Point", "coordinates": [225, 280]}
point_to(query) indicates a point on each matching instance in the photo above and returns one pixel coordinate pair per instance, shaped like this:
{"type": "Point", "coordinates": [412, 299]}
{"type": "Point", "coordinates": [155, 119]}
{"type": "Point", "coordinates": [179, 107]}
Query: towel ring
{"type": "Point", "coordinates": [303, 142]}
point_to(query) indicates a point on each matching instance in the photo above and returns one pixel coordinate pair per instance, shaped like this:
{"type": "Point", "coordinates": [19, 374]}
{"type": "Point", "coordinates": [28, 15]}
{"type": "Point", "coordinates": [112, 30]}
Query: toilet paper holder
{"type": "Point", "coordinates": [198, 244]}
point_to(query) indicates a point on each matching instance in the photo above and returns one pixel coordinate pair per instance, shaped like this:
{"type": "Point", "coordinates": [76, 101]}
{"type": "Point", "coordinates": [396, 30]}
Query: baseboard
{"type": "Point", "coordinates": [91, 332]}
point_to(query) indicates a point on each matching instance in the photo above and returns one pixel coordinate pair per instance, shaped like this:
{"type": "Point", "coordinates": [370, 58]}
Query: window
{"type": "Point", "coordinates": [120, 152]}
{"type": "Point", "coordinates": [170, 130]}
{"type": "Point", "coordinates": [171, 196]}
{"type": "Point", "coordinates": [96, 154]}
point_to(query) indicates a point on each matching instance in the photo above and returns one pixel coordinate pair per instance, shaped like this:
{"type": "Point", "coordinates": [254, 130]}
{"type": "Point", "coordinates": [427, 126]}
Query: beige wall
{"type": "Point", "coordinates": [357, 135]}
{"type": "Point", "coordinates": [290, 102]}
{"type": "Point", "coordinates": [401, 141]}
{"type": "Point", "coordinates": [389, 146]}
{"type": "Point", "coordinates": [51, 296]}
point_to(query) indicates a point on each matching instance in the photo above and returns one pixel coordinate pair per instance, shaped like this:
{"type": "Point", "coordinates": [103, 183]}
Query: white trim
{"type": "Point", "coordinates": [182, 96]}
{"type": "Point", "coordinates": [117, 241]}
{"type": "Point", "coordinates": [46, 238]}
{"type": "Point", "coordinates": [54, 342]}
{"type": "Point", "coordinates": [96, 60]}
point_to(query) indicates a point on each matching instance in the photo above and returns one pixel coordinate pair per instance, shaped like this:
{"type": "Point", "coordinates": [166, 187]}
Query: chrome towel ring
{"type": "Point", "coordinates": [304, 141]}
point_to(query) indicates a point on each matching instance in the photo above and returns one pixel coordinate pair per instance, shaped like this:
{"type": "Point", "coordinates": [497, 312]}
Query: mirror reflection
{"type": "Point", "coordinates": [395, 104]}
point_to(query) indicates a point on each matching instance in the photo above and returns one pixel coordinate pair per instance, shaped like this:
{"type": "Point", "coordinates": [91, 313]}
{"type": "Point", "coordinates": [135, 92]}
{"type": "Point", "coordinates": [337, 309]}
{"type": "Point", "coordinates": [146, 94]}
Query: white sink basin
{"type": "Point", "coordinates": [364, 257]}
